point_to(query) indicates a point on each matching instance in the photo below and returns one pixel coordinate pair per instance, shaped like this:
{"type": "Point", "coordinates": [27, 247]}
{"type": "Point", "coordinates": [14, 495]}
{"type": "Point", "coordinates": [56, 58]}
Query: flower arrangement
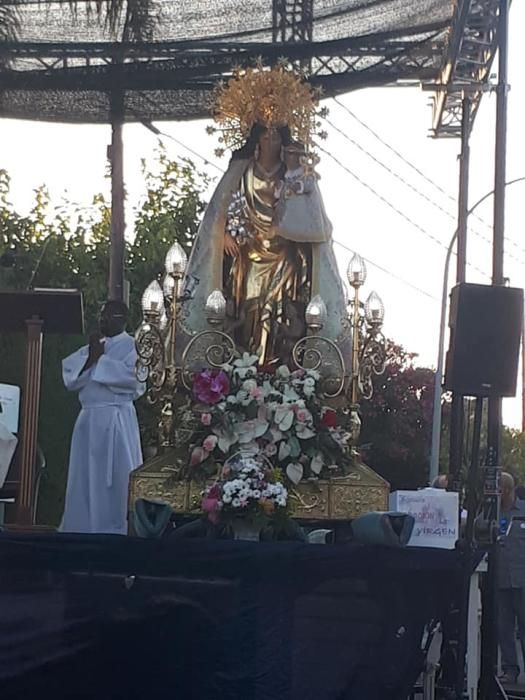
{"type": "Point", "coordinates": [246, 487]}
{"type": "Point", "coordinates": [274, 414]}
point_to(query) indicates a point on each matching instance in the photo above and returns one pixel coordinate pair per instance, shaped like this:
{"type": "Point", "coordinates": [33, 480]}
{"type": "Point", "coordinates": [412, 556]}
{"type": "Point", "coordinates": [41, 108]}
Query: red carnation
{"type": "Point", "coordinates": [329, 418]}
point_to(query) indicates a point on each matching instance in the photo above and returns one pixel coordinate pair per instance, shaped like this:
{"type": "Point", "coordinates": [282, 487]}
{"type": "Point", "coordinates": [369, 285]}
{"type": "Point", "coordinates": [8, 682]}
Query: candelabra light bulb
{"type": "Point", "coordinates": [153, 299]}
{"type": "Point", "coordinates": [374, 309]}
{"type": "Point", "coordinates": [215, 308]}
{"type": "Point", "coordinates": [168, 287]}
{"type": "Point", "coordinates": [356, 271]}
{"type": "Point", "coordinates": [315, 314]}
{"type": "Point", "coordinates": [176, 260]}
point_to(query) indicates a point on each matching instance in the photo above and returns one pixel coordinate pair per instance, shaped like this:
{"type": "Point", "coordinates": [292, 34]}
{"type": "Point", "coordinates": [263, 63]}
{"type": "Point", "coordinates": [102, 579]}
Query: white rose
{"type": "Point", "coordinates": [249, 385]}
{"type": "Point", "coordinates": [283, 372]}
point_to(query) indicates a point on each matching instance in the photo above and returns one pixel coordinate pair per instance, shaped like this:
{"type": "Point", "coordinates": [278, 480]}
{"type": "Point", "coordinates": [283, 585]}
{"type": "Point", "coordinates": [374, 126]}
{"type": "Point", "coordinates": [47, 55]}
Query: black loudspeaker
{"type": "Point", "coordinates": [485, 333]}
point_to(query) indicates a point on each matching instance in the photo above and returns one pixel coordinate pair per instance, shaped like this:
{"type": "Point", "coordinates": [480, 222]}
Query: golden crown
{"type": "Point", "coordinates": [273, 97]}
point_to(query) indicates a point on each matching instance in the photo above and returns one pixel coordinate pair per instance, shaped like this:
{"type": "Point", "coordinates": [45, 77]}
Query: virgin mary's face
{"type": "Point", "coordinates": [270, 142]}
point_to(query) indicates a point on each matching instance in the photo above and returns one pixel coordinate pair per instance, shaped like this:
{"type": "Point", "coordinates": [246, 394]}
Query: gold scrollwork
{"type": "Point", "coordinates": [321, 354]}
{"type": "Point", "coordinates": [150, 365]}
{"type": "Point", "coordinates": [211, 348]}
{"type": "Point", "coordinates": [372, 362]}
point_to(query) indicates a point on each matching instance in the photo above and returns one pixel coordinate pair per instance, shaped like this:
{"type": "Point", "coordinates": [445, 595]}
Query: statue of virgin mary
{"type": "Point", "coordinates": [265, 240]}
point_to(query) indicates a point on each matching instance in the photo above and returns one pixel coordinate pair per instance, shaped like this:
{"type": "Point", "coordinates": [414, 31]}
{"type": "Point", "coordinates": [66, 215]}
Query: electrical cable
{"type": "Point", "coordinates": [423, 175]}
{"type": "Point", "coordinates": [413, 223]}
{"type": "Point", "coordinates": [414, 189]}
{"type": "Point", "coordinates": [151, 127]}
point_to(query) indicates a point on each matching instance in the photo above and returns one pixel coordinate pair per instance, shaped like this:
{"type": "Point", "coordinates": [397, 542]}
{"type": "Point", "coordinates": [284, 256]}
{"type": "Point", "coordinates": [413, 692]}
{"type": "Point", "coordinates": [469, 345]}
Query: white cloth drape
{"type": "Point", "coordinates": [105, 446]}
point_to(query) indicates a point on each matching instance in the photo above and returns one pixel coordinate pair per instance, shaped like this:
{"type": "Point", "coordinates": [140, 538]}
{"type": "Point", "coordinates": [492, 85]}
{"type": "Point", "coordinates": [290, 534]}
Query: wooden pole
{"type": "Point", "coordinates": [29, 426]}
{"type": "Point", "coordinates": [116, 156]}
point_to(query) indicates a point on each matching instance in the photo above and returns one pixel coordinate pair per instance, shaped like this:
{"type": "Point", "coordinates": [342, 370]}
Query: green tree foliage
{"type": "Point", "coordinates": [397, 421]}
{"type": "Point", "coordinates": [68, 246]}
{"type": "Point", "coordinates": [513, 453]}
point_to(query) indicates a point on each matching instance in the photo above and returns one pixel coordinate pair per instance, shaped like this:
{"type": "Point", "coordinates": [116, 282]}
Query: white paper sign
{"type": "Point", "coordinates": [436, 514]}
{"type": "Point", "coordinates": [10, 406]}
{"type": "Point", "coordinates": [8, 444]}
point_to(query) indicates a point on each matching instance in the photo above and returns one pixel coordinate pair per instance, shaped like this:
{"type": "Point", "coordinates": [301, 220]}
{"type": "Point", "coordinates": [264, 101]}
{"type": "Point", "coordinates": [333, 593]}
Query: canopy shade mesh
{"type": "Point", "coordinates": [61, 61]}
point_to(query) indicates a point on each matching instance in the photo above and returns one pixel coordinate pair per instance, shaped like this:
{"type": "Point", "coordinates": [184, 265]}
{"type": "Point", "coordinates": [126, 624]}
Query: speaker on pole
{"type": "Point", "coordinates": [485, 332]}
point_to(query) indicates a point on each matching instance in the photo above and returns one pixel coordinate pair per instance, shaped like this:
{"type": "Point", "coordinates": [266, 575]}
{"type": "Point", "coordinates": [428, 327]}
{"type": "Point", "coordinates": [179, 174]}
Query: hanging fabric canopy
{"type": "Point", "coordinates": [61, 61]}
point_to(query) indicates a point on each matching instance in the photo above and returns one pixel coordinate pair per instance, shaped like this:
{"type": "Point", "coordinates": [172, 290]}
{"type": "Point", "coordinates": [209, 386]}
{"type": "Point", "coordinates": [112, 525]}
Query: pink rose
{"type": "Point", "coordinates": [210, 443]}
{"type": "Point", "coordinates": [303, 415]}
{"type": "Point", "coordinates": [206, 418]}
{"type": "Point", "coordinates": [257, 393]}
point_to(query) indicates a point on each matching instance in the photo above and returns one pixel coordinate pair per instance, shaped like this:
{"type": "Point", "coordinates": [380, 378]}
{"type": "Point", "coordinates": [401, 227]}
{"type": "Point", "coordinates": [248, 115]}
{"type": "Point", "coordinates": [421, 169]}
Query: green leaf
{"type": "Point", "coordinates": [294, 446]}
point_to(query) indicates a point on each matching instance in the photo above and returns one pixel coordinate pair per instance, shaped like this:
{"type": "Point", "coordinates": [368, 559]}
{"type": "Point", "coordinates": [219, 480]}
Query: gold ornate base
{"type": "Point", "coordinates": [340, 498]}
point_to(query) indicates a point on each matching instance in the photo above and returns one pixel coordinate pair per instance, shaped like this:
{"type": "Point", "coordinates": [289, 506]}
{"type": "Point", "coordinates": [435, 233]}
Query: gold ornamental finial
{"type": "Point", "coordinates": [273, 97]}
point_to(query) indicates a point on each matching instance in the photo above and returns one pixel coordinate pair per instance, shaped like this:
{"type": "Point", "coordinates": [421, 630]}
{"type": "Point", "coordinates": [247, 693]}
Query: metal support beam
{"type": "Point", "coordinates": [494, 415]}
{"type": "Point", "coordinates": [292, 20]}
{"type": "Point", "coordinates": [472, 47]}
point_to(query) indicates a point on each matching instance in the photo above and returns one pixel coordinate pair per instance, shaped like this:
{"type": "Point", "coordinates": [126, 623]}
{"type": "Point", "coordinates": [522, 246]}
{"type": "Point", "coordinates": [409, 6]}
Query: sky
{"type": "Point", "coordinates": [401, 228]}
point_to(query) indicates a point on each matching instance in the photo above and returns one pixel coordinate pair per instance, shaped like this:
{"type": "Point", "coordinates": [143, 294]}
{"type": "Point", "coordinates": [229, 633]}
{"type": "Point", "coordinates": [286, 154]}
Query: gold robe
{"type": "Point", "coordinates": [300, 228]}
{"type": "Point", "coordinates": [267, 270]}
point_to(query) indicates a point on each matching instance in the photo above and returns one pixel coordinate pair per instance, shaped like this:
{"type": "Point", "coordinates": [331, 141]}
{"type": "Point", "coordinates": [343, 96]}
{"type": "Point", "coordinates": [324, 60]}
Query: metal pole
{"type": "Point", "coordinates": [494, 413]}
{"type": "Point", "coordinates": [356, 343]}
{"type": "Point", "coordinates": [438, 378]}
{"type": "Point", "coordinates": [523, 379]}
{"type": "Point", "coordinates": [457, 409]}
{"type": "Point", "coordinates": [464, 167]}
{"type": "Point", "coordinates": [116, 156]}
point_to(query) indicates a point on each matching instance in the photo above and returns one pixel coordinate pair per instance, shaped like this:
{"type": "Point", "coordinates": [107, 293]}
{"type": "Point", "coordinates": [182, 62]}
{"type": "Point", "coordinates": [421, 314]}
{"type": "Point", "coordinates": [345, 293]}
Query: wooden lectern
{"type": "Point", "coordinates": [34, 313]}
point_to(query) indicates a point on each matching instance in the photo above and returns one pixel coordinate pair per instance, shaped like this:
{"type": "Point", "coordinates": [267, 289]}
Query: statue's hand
{"type": "Point", "coordinates": [231, 247]}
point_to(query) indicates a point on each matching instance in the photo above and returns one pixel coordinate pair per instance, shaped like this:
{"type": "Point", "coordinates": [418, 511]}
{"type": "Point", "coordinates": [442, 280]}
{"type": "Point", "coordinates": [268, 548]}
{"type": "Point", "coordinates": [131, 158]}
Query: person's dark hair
{"type": "Point", "coordinates": [257, 129]}
{"type": "Point", "coordinates": [116, 307]}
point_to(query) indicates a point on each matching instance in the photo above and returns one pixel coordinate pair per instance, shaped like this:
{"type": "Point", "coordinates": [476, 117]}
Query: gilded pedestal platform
{"type": "Point", "coordinates": [340, 498]}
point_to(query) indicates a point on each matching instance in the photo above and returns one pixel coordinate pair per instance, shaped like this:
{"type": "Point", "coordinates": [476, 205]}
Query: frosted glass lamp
{"type": "Point", "coordinates": [215, 308]}
{"type": "Point", "coordinates": [153, 299]}
{"type": "Point", "coordinates": [315, 315]}
{"type": "Point", "coordinates": [356, 271]}
{"type": "Point", "coordinates": [374, 309]}
{"type": "Point", "coordinates": [176, 260]}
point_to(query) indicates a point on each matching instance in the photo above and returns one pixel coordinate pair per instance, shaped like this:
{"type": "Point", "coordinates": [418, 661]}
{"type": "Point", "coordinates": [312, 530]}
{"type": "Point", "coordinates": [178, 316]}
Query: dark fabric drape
{"type": "Point", "coordinates": [114, 617]}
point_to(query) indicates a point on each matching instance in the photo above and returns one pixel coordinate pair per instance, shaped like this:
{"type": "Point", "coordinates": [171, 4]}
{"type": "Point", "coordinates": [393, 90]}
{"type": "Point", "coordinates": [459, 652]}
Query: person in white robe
{"type": "Point", "coordinates": [105, 445]}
